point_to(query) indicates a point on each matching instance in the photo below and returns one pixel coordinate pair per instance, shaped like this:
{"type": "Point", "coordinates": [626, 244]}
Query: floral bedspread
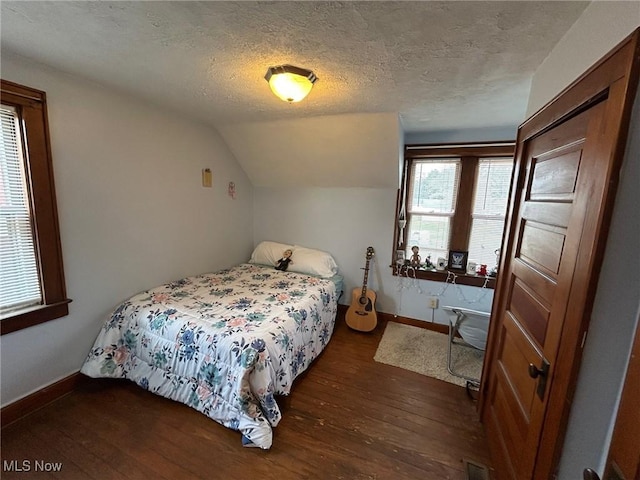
{"type": "Point", "coordinates": [223, 343]}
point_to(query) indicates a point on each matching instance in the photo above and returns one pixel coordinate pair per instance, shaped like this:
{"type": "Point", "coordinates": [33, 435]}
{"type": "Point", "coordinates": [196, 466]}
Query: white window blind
{"type": "Point", "coordinates": [489, 209]}
{"type": "Point", "coordinates": [19, 277]}
{"type": "Point", "coordinates": [432, 200]}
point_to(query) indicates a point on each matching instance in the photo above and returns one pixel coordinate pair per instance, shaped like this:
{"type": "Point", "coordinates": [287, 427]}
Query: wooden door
{"type": "Point", "coordinates": [567, 160]}
{"type": "Point", "coordinates": [549, 228]}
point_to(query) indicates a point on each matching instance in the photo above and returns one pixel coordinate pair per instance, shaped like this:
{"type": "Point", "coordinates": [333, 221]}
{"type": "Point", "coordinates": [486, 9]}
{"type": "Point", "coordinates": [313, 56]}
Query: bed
{"type": "Point", "coordinates": [223, 343]}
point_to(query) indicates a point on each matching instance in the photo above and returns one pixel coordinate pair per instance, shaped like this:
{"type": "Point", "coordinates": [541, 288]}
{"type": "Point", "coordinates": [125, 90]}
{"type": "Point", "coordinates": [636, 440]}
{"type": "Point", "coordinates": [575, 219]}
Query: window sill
{"type": "Point", "coordinates": [461, 278]}
{"type": "Point", "coordinates": [33, 316]}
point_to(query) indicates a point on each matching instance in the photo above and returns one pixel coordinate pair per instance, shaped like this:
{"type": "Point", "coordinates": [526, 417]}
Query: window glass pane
{"type": "Point", "coordinates": [432, 200]}
{"type": "Point", "coordinates": [492, 186]}
{"type": "Point", "coordinates": [19, 278]}
{"type": "Point", "coordinates": [486, 238]}
{"type": "Point", "coordinates": [489, 208]}
{"type": "Point", "coordinates": [434, 186]}
{"type": "Point", "coordinates": [431, 234]}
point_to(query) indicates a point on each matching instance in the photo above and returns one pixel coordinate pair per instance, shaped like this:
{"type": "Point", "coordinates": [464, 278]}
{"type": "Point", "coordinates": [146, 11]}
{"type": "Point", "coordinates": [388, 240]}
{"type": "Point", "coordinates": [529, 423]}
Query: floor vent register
{"type": "Point", "coordinates": [475, 471]}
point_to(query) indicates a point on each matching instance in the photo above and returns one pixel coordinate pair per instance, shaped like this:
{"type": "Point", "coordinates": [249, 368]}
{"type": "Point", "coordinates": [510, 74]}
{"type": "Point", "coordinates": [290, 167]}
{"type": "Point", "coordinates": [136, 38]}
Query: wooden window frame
{"type": "Point", "coordinates": [469, 155]}
{"type": "Point", "coordinates": [31, 107]}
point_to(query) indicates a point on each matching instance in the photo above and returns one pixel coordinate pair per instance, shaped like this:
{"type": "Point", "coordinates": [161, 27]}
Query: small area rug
{"type": "Point", "coordinates": [425, 351]}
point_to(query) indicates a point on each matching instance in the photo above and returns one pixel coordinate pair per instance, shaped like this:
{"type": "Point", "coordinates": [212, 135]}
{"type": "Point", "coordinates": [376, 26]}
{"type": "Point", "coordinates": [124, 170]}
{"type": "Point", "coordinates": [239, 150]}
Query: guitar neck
{"type": "Point", "coordinates": [366, 278]}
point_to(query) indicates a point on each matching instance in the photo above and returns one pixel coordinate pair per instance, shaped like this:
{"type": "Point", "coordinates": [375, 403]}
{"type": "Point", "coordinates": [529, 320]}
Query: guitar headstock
{"type": "Point", "coordinates": [370, 253]}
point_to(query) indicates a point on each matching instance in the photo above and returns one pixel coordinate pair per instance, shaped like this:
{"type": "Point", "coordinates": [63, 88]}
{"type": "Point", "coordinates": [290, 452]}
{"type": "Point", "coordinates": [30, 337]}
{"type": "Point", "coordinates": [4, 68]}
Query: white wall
{"type": "Point", "coordinates": [132, 211]}
{"type": "Point", "coordinates": [347, 150]}
{"type": "Point", "coordinates": [601, 26]}
{"type": "Point", "coordinates": [617, 302]}
{"type": "Point", "coordinates": [344, 222]}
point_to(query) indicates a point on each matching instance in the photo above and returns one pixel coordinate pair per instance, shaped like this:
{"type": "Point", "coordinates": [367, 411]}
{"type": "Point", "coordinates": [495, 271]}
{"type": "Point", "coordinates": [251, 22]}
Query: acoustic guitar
{"type": "Point", "coordinates": [361, 315]}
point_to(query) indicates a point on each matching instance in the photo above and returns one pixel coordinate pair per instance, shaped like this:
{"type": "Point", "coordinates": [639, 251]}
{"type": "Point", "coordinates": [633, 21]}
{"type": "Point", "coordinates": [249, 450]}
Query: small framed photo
{"type": "Point", "coordinates": [400, 257]}
{"type": "Point", "coordinates": [458, 260]}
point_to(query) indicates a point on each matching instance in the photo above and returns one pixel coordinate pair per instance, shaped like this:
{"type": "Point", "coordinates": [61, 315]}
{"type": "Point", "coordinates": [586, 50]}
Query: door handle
{"type": "Point", "coordinates": [535, 372]}
{"type": "Point", "coordinates": [542, 373]}
{"type": "Point", "coordinates": [588, 474]}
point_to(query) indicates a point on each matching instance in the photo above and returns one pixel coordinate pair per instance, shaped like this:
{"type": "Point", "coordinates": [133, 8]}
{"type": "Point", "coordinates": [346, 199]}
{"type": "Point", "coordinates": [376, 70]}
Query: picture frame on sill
{"type": "Point", "coordinates": [458, 260]}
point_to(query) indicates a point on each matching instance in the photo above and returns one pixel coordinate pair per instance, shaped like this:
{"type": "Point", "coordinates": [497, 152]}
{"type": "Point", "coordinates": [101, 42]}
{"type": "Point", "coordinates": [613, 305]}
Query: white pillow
{"type": "Point", "coordinates": [312, 262]}
{"type": "Point", "coordinates": [268, 253]}
{"type": "Point", "coordinates": [303, 260]}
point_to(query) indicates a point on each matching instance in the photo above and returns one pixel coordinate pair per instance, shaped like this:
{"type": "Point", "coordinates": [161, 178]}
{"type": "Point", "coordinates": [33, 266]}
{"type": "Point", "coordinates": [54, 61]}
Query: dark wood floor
{"type": "Point", "coordinates": [348, 417]}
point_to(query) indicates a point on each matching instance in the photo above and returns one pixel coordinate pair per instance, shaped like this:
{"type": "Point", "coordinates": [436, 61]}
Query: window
{"type": "Point", "coordinates": [489, 208]}
{"type": "Point", "coordinates": [432, 203]}
{"type": "Point", "coordinates": [32, 287]}
{"type": "Point", "coordinates": [19, 273]}
{"type": "Point", "coordinates": [454, 197]}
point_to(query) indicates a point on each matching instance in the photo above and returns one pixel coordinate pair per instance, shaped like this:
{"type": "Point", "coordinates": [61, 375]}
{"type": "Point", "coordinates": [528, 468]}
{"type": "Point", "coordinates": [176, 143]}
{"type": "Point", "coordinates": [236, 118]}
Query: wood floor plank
{"type": "Point", "coordinates": [347, 417]}
{"type": "Point", "coordinates": [355, 455]}
{"type": "Point", "coordinates": [398, 428]}
{"type": "Point", "coordinates": [385, 395]}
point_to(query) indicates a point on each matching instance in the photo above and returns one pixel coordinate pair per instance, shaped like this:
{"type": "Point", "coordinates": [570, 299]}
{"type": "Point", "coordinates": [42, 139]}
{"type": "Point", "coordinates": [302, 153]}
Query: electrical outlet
{"type": "Point", "coordinates": [433, 302]}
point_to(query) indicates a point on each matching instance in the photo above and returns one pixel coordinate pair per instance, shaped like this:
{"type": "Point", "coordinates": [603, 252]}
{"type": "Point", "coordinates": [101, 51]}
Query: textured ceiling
{"type": "Point", "coordinates": [384, 68]}
{"type": "Point", "coordinates": [439, 65]}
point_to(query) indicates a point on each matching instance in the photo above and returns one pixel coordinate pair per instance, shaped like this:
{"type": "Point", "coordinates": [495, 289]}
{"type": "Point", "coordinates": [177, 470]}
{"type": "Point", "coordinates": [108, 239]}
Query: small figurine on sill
{"type": "Point", "coordinates": [415, 258]}
{"type": "Point", "coordinates": [428, 263]}
{"type": "Point", "coordinates": [284, 262]}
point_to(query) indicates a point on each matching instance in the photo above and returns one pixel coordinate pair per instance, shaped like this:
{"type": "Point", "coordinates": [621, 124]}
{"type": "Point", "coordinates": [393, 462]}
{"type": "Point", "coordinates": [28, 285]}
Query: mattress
{"type": "Point", "coordinates": [223, 343]}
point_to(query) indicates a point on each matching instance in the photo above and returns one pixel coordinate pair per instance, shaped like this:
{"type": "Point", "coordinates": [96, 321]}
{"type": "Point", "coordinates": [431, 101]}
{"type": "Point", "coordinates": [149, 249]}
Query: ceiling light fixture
{"type": "Point", "coordinates": [290, 83]}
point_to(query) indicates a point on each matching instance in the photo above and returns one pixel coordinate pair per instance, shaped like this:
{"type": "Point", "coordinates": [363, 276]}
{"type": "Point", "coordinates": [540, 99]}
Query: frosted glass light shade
{"type": "Point", "coordinates": [290, 83]}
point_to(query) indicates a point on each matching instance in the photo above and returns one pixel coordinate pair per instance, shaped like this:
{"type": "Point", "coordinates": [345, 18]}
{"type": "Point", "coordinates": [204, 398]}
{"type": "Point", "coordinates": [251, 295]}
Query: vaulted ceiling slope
{"type": "Point", "coordinates": [434, 65]}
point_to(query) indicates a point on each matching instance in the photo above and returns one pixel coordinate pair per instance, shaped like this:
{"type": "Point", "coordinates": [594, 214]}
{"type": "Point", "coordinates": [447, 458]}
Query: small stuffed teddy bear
{"type": "Point", "coordinates": [284, 262]}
